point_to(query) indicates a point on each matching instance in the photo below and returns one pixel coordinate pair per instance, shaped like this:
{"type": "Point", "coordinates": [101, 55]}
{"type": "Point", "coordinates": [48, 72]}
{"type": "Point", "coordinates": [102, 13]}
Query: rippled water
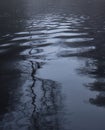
{"type": "Point", "coordinates": [52, 67]}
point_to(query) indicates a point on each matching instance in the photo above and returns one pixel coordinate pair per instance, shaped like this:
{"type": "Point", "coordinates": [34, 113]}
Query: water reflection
{"type": "Point", "coordinates": [95, 68]}
{"type": "Point", "coordinates": [36, 33]}
{"type": "Point", "coordinates": [99, 100]}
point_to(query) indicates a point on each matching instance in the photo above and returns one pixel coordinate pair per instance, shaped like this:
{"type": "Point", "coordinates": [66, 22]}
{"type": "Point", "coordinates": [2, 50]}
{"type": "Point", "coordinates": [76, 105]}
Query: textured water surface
{"type": "Point", "coordinates": [52, 65]}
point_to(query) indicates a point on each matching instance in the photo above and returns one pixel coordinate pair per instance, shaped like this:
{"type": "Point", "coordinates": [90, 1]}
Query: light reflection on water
{"type": "Point", "coordinates": [48, 66]}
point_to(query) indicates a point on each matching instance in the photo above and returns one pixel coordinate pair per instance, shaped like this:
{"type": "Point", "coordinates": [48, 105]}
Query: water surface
{"type": "Point", "coordinates": [52, 65]}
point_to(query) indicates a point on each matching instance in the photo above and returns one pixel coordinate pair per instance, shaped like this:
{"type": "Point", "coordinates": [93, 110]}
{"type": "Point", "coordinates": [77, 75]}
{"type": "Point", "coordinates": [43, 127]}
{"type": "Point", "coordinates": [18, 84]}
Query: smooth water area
{"type": "Point", "coordinates": [52, 65]}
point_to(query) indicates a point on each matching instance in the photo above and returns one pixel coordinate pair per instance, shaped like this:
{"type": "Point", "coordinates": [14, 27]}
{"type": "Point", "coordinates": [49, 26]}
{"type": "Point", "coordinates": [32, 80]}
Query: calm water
{"type": "Point", "coordinates": [52, 65]}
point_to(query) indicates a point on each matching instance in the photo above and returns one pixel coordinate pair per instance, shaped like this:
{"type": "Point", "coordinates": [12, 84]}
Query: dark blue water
{"type": "Point", "coordinates": [52, 65]}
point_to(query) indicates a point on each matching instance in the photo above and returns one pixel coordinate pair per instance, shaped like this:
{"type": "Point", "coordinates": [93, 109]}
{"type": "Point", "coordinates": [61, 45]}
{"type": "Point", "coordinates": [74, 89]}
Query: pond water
{"type": "Point", "coordinates": [52, 65]}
